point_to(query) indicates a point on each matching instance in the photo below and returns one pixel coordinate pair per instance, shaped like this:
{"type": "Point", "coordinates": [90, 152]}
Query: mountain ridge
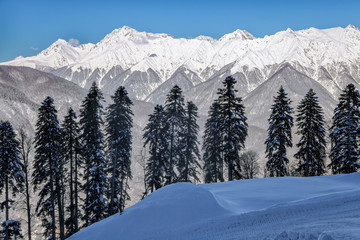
{"type": "Point", "coordinates": [311, 51]}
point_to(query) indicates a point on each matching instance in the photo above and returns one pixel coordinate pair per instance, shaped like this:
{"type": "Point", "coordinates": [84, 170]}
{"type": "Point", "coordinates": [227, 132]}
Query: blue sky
{"type": "Point", "coordinates": [29, 26]}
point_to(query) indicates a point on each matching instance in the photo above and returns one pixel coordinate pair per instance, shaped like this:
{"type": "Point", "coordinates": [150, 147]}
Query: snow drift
{"type": "Point", "coordinates": [326, 207]}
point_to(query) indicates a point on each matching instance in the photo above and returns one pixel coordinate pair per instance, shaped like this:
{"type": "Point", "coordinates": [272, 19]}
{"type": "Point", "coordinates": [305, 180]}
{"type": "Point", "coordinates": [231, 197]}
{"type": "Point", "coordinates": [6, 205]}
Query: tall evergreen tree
{"type": "Point", "coordinates": [119, 138]}
{"type": "Point", "coordinates": [344, 133]}
{"type": "Point", "coordinates": [47, 172]}
{"type": "Point", "coordinates": [71, 132]}
{"type": "Point", "coordinates": [234, 126]}
{"type": "Point", "coordinates": [188, 165]}
{"type": "Point", "coordinates": [92, 142]}
{"type": "Point", "coordinates": [11, 177]}
{"type": "Point", "coordinates": [212, 146]}
{"type": "Point", "coordinates": [156, 139]}
{"type": "Point", "coordinates": [174, 118]}
{"type": "Point", "coordinates": [279, 135]}
{"type": "Point", "coordinates": [312, 145]}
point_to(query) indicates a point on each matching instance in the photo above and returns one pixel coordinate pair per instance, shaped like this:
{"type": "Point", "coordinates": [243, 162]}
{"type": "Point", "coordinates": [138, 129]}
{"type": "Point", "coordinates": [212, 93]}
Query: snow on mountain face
{"type": "Point", "coordinates": [312, 51]}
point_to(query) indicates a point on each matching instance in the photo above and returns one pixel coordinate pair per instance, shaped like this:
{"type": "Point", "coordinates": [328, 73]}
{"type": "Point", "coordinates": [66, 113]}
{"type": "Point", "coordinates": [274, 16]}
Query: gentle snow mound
{"type": "Point", "coordinates": [326, 207]}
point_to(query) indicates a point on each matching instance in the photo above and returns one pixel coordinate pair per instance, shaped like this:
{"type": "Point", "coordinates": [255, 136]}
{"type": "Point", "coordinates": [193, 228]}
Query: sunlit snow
{"type": "Point", "coordinates": [326, 207]}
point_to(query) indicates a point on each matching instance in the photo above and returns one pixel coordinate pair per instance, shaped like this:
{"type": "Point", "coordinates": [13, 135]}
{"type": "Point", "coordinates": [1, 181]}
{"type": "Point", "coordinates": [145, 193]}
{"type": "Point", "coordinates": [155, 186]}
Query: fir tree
{"type": "Point", "coordinates": [92, 142]}
{"type": "Point", "coordinates": [312, 145]}
{"type": "Point", "coordinates": [212, 146]}
{"type": "Point", "coordinates": [118, 129]}
{"type": "Point", "coordinates": [174, 118]}
{"type": "Point", "coordinates": [71, 132]}
{"type": "Point", "coordinates": [234, 126]}
{"type": "Point", "coordinates": [47, 174]}
{"type": "Point", "coordinates": [156, 139]}
{"type": "Point", "coordinates": [279, 135]}
{"type": "Point", "coordinates": [11, 177]}
{"type": "Point", "coordinates": [187, 166]}
{"type": "Point", "coordinates": [344, 133]}
{"type": "Point", "coordinates": [11, 230]}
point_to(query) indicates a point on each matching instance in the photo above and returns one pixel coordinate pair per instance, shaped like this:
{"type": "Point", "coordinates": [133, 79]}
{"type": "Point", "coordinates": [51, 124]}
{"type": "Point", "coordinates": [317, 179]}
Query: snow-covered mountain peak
{"type": "Point", "coordinates": [205, 38]}
{"type": "Point", "coordinates": [127, 35]}
{"type": "Point", "coordinates": [350, 26]}
{"type": "Point", "coordinates": [237, 35]}
{"type": "Point", "coordinates": [125, 30]}
{"type": "Point", "coordinates": [19, 58]}
{"type": "Point", "coordinates": [119, 33]}
{"type": "Point", "coordinates": [56, 47]}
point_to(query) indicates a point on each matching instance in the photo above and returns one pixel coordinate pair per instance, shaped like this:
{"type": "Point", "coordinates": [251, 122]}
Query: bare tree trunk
{"type": "Point", "coordinates": [171, 156]}
{"type": "Point", "coordinates": [28, 206]}
{"type": "Point", "coordinates": [72, 213]}
{"type": "Point", "coordinates": [25, 148]}
{"type": "Point", "coordinates": [111, 212]}
{"type": "Point", "coordinates": [60, 186]}
{"type": "Point", "coordinates": [7, 235]}
{"type": "Point", "coordinates": [76, 190]}
{"type": "Point", "coordinates": [122, 206]}
{"type": "Point", "coordinates": [52, 195]}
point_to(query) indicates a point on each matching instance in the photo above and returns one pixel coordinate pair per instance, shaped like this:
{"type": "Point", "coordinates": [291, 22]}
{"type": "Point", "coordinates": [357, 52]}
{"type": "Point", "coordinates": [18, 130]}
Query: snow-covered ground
{"type": "Point", "coordinates": [323, 208]}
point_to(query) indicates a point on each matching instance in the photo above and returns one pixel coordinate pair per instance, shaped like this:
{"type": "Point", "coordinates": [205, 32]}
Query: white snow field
{"type": "Point", "coordinates": [322, 208]}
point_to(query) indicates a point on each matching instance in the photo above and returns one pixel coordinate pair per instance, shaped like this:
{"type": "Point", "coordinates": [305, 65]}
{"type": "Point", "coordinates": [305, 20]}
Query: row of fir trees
{"type": "Point", "coordinates": [81, 169]}
{"type": "Point", "coordinates": [80, 174]}
{"type": "Point", "coordinates": [311, 154]}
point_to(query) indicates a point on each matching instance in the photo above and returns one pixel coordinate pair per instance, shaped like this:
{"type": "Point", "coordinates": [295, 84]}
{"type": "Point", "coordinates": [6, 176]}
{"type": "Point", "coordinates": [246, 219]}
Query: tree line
{"type": "Point", "coordinates": [81, 168]}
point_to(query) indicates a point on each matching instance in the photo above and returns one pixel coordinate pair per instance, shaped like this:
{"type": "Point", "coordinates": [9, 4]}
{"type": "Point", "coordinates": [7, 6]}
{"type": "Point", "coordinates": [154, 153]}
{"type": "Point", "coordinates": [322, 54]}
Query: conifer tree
{"type": "Point", "coordinates": [92, 151]}
{"type": "Point", "coordinates": [212, 146]}
{"type": "Point", "coordinates": [11, 230]}
{"type": "Point", "coordinates": [234, 126]}
{"type": "Point", "coordinates": [47, 174]}
{"type": "Point", "coordinates": [174, 119]}
{"type": "Point", "coordinates": [312, 145]}
{"type": "Point", "coordinates": [188, 165]}
{"type": "Point", "coordinates": [344, 133]}
{"type": "Point", "coordinates": [279, 135]}
{"type": "Point", "coordinates": [119, 138]}
{"type": "Point", "coordinates": [71, 132]}
{"type": "Point", "coordinates": [156, 139]}
{"type": "Point", "coordinates": [11, 177]}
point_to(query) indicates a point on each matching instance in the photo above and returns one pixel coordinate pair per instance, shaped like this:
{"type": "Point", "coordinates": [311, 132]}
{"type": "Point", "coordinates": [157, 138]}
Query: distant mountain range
{"type": "Point", "coordinates": [148, 64]}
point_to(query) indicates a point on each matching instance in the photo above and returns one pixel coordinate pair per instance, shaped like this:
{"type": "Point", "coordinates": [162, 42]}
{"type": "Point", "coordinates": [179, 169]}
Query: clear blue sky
{"type": "Point", "coordinates": [29, 26]}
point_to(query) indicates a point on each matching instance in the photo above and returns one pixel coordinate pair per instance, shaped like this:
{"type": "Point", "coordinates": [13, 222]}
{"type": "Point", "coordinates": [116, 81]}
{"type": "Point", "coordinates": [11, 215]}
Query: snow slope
{"type": "Point", "coordinates": [326, 207]}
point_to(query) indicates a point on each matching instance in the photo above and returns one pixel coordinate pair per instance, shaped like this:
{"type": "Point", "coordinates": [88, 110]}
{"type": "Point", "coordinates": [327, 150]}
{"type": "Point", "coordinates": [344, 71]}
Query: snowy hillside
{"type": "Point", "coordinates": [148, 63]}
{"type": "Point", "coordinates": [326, 207]}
